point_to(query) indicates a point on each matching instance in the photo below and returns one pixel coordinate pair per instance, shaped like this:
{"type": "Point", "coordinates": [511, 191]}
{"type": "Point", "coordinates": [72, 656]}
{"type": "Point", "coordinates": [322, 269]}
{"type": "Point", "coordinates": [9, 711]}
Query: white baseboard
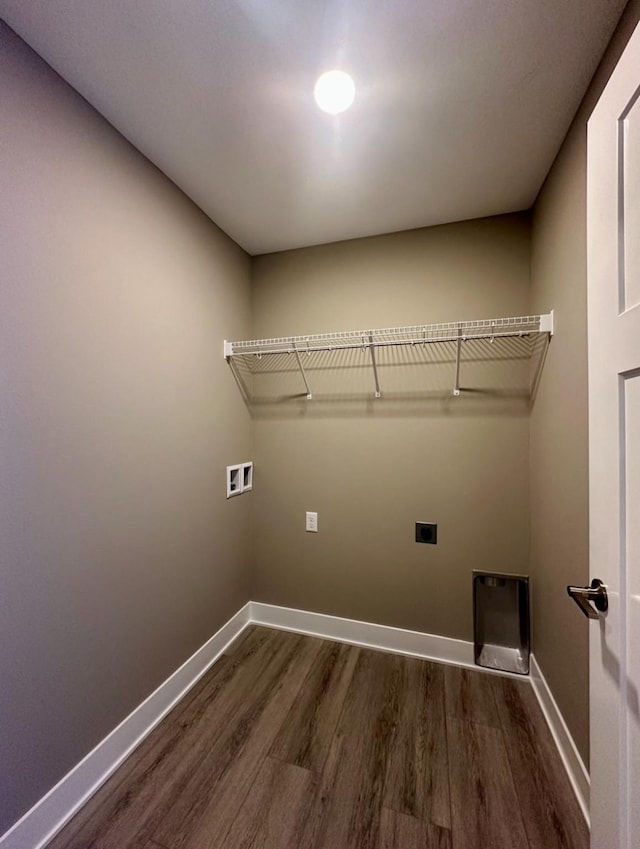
{"type": "Point", "coordinates": [382, 637]}
{"type": "Point", "coordinates": [576, 770]}
{"type": "Point", "coordinates": [40, 824]}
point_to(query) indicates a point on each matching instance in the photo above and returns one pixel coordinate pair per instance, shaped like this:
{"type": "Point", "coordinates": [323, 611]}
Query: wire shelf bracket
{"type": "Point", "coordinates": [425, 334]}
{"type": "Point", "coordinates": [302, 372]}
{"type": "Point", "coordinates": [456, 385]}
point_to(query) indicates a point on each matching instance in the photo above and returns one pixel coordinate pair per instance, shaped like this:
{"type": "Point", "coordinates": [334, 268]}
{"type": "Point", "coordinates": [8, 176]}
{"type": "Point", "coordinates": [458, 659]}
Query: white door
{"type": "Point", "coordinates": [614, 452]}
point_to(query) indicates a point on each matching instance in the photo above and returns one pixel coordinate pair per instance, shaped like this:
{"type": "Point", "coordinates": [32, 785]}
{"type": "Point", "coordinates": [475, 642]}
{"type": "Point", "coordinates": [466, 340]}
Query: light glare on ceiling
{"type": "Point", "coordinates": [334, 91]}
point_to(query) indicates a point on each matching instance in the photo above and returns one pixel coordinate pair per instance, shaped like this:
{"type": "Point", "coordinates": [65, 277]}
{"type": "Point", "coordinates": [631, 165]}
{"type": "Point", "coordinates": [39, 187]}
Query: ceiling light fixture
{"type": "Point", "coordinates": [334, 91]}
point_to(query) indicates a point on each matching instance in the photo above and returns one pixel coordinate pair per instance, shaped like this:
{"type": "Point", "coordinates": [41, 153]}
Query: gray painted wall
{"type": "Point", "coordinates": [559, 419]}
{"type": "Point", "coordinates": [372, 468]}
{"type": "Point", "coordinates": [120, 554]}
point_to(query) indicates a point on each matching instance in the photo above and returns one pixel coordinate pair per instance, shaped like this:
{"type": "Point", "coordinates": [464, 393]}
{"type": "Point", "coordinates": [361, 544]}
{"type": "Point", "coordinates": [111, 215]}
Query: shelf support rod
{"type": "Point", "coordinates": [456, 388]}
{"type": "Point", "coordinates": [304, 376]}
{"type": "Point", "coordinates": [373, 363]}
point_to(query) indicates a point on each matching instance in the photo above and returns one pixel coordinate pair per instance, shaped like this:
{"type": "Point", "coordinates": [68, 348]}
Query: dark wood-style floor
{"type": "Point", "coordinates": [295, 742]}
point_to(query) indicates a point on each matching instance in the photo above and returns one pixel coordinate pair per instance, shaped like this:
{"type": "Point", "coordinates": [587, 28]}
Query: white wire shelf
{"type": "Point", "coordinates": [452, 331]}
{"type": "Point", "coordinates": [418, 333]}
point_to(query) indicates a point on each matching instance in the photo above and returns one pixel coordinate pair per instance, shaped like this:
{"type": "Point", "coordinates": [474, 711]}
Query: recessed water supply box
{"type": "Point", "coordinates": [239, 479]}
{"type": "Point", "coordinates": [501, 626]}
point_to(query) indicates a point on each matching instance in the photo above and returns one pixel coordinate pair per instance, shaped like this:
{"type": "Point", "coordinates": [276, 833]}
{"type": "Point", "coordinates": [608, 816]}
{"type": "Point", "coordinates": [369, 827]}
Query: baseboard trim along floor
{"type": "Point", "coordinates": [48, 816]}
{"type": "Point", "coordinates": [573, 763]}
{"type": "Point", "coordinates": [382, 637]}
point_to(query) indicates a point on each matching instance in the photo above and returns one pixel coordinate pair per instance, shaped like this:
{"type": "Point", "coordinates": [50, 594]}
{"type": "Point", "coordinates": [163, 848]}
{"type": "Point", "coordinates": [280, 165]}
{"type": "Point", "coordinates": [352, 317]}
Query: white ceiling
{"type": "Point", "coordinates": [460, 109]}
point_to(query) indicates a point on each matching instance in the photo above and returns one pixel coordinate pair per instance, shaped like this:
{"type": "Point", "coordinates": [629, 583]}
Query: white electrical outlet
{"type": "Point", "coordinates": [312, 522]}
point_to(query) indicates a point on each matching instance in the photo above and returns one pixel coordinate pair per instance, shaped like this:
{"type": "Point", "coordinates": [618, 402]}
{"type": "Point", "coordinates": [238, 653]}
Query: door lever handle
{"type": "Point", "coordinates": [585, 596]}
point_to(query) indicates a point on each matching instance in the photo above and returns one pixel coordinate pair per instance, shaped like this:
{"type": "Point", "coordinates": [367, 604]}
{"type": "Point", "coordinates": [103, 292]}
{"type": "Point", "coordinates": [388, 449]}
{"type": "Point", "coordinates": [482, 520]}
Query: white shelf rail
{"type": "Point", "coordinates": [417, 334]}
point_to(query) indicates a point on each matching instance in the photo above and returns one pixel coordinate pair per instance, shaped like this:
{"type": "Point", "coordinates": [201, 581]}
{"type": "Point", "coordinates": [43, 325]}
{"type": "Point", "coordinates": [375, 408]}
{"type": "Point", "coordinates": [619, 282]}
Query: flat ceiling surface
{"type": "Point", "coordinates": [461, 105]}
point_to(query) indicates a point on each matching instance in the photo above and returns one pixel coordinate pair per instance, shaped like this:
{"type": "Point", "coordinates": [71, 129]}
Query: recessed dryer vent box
{"type": "Point", "coordinates": [239, 479]}
{"type": "Point", "coordinates": [501, 621]}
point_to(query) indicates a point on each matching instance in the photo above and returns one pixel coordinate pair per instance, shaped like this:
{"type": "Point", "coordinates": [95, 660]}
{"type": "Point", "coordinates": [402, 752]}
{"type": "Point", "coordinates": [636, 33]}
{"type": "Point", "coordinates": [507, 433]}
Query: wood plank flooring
{"type": "Point", "coordinates": [291, 742]}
